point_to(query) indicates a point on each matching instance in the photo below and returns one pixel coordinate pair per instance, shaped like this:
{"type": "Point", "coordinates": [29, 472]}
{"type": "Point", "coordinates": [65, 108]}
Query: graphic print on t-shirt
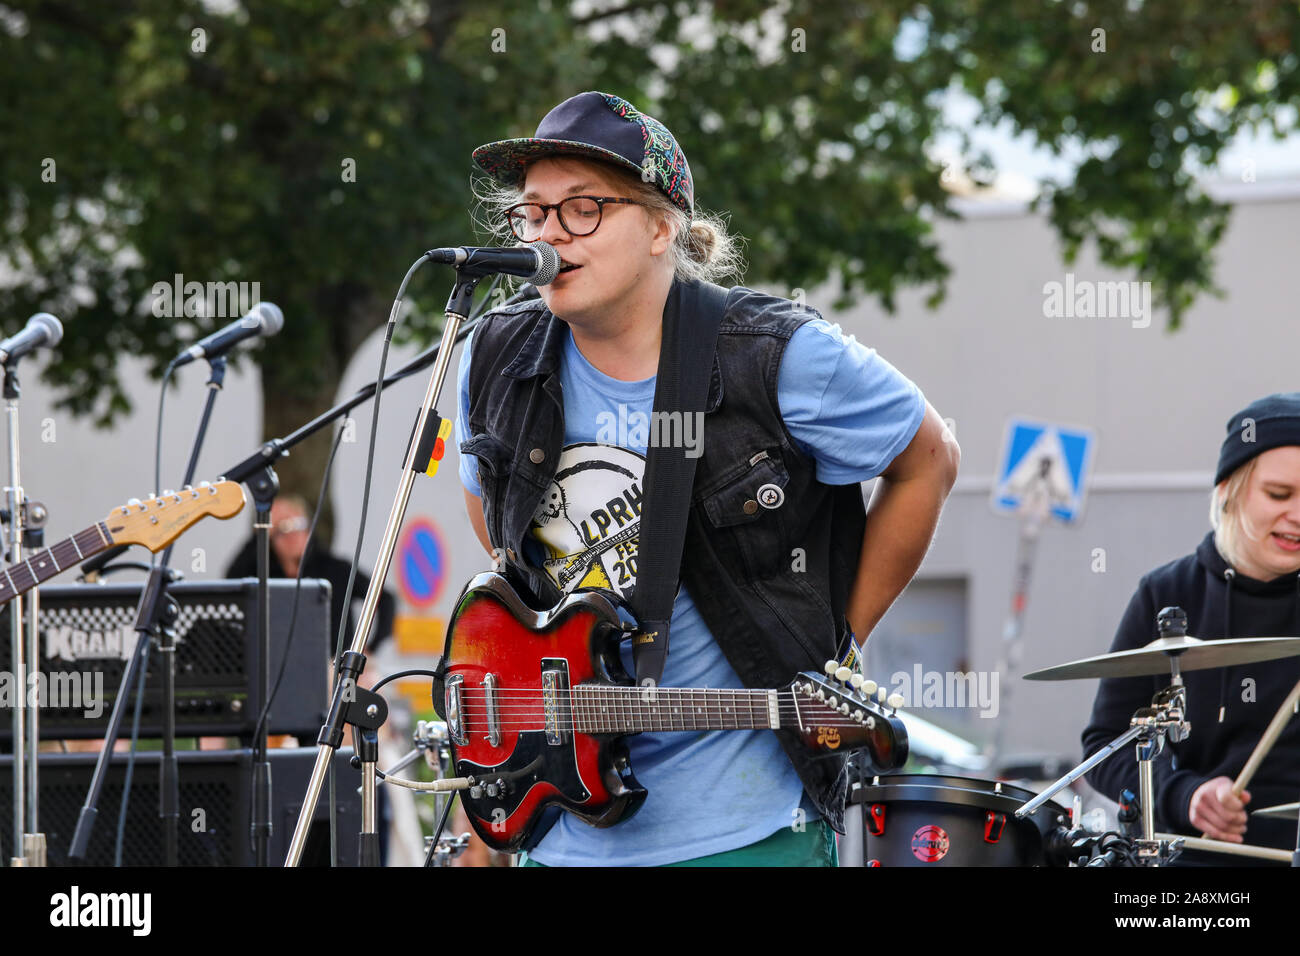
{"type": "Point", "coordinates": [590, 519]}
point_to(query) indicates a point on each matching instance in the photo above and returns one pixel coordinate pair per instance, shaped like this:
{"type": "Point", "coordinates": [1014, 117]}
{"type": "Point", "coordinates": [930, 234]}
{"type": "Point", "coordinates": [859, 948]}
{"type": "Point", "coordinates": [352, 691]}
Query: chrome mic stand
{"type": "Point", "coordinates": [29, 845]}
{"type": "Point", "coordinates": [353, 705]}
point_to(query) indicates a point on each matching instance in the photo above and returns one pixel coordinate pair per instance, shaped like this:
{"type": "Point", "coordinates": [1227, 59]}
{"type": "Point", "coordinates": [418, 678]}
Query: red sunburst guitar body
{"type": "Point", "coordinates": [537, 706]}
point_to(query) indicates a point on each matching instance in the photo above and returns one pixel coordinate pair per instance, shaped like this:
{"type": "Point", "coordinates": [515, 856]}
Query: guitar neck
{"type": "Point", "coordinates": [18, 578]}
{"type": "Point", "coordinates": [609, 709]}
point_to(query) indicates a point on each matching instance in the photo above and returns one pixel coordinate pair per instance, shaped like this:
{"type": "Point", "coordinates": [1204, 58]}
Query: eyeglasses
{"type": "Point", "coordinates": [292, 525]}
{"type": "Point", "coordinates": [579, 215]}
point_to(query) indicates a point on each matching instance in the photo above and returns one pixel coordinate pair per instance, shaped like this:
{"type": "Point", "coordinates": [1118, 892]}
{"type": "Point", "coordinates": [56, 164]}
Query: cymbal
{"type": "Point", "coordinates": [1283, 811]}
{"type": "Point", "coordinates": [1193, 655]}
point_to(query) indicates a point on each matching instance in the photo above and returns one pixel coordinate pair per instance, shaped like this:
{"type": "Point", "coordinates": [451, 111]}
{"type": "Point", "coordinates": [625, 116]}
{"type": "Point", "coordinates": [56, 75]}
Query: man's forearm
{"type": "Point", "coordinates": [901, 521]}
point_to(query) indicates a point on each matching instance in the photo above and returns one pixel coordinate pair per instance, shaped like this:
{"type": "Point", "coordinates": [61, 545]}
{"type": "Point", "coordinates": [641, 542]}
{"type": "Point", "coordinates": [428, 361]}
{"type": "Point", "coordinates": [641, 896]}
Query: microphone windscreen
{"type": "Point", "coordinates": [550, 266]}
{"type": "Point", "coordinates": [271, 318]}
{"type": "Point", "coordinates": [53, 327]}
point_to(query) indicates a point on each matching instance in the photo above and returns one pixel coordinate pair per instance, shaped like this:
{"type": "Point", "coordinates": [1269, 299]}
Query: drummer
{"type": "Point", "coordinates": [1241, 581]}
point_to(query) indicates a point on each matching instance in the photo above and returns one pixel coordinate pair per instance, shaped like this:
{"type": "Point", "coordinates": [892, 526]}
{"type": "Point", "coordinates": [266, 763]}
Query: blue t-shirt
{"type": "Point", "coordinates": [851, 412]}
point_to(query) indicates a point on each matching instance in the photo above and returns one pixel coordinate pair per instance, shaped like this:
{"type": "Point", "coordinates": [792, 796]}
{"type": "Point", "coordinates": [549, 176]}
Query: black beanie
{"type": "Point", "coordinates": [1263, 424]}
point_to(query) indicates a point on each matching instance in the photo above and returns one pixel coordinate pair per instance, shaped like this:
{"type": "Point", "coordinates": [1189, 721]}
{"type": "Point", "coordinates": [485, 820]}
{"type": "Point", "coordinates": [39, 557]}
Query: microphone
{"type": "Point", "coordinates": [42, 329]}
{"type": "Point", "coordinates": [538, 262]}
{"type": "Point", "coordinates": [264, 319]}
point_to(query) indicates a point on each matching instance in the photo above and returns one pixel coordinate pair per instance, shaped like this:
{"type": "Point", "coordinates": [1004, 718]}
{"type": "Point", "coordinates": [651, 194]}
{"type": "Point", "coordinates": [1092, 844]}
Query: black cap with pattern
{"type": "Point", "coordinates": [597, 126]}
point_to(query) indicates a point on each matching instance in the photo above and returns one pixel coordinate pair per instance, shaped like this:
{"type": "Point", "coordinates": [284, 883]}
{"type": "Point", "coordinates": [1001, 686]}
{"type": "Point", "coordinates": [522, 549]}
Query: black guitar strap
{"type": "Point", "coordinates": [692, 315]}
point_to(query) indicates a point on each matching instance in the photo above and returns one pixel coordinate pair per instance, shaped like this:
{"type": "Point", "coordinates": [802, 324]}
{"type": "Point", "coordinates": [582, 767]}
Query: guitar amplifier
{"type": "Point", "coordinates": [88, 635]}
{"type": "Point", "coordinates": [215, 794]}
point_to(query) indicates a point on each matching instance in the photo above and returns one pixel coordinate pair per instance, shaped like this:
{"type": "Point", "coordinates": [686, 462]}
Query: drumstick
{"type": "Point", "coordinates": [1266, 742]}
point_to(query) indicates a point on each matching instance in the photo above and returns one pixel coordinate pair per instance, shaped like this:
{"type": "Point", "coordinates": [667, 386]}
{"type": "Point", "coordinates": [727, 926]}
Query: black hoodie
{"type": "Point", "coordinates": [1228, 708]}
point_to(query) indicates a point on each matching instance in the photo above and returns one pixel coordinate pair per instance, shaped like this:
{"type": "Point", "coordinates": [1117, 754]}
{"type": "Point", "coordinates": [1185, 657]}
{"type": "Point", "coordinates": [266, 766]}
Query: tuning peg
{"type": "Point", "coordinates": [858, 715]}
{"type": "Point", "coordinates": [856, 680]}
{"type": "Point", "coordinates": [880, 694]}
{"type": "Point", "coordinates": [868, 688]}
{"type": "Point", "coordinates": [895, 701]}
{"type": "Point", "coordinates": [137, 503]}
{"type": "Point", "coordinates": [843, 674]}
{"type": "Point", "coordinates": [833, 702]}
{"type": "Point", "coordinates": [830, 667]}
{"type": "Point", "coordinates": [844, 709]}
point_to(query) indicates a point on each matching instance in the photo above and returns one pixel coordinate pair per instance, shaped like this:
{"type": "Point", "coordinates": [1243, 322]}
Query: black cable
{"type": "Point", "coordinates": [413, 672]}
{"type": "Point", "coordinates": [157, 444]}
{"type": "Point", "coordinates": [264, 716]}
{"type": "Point", "coordinates": [130, 762]}
{"type": "Point", "coordinates": [437, 831]}
{"type": "Point", "coordinates": [361, 527]}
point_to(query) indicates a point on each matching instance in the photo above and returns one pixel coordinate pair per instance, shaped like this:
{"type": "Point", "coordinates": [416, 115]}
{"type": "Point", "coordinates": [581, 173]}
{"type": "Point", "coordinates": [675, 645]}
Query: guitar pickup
{"type": "Point", "coordinates": [490, 700]}
{"type": "Point", "coordinates": [451, 701]}
{"type": "Point", "coordinates": [556, 710]}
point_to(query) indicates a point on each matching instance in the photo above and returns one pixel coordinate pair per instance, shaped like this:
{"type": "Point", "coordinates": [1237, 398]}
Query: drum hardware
{"type": "Point", "coordinates": [448, 849]}
{"type": "Point", "coordinates": [1281, 811]}
{"type": "Point", "coordinates": [1232, 849]}
{"type": "Point", "coordinates": [431, 739]}
{"type": "Point", "coordinates": [1150, 726]}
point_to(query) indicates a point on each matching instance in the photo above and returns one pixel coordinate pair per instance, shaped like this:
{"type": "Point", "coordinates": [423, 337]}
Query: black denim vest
{"type": "Point", "coordinates": [771, 583]}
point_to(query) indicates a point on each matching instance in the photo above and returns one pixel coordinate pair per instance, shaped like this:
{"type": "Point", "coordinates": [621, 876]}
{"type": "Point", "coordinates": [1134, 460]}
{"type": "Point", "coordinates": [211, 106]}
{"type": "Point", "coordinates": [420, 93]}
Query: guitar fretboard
{"type": "Point", "coordinates": [599, 709]}
{"type": "Point", "coordinates": [38, 567]}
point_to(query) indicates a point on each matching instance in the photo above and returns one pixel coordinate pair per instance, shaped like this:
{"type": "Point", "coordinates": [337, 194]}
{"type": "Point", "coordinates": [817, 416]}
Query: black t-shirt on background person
{"type": "Point", "coordinates": [335, 571]}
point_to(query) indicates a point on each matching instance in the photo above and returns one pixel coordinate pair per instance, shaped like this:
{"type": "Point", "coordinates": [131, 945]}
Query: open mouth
{"type": "Point", "coordinates": [1290, 542]}
{"type": "Point", "coordinates": [567, 267]}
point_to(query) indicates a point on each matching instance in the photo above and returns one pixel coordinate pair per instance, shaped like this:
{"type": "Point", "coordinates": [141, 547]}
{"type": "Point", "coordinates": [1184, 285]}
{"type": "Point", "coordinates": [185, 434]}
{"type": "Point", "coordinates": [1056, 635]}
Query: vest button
{"type": "Point", "coordinates": [750, 506]}
{"type": "Point", "coordinates": [536, 456]}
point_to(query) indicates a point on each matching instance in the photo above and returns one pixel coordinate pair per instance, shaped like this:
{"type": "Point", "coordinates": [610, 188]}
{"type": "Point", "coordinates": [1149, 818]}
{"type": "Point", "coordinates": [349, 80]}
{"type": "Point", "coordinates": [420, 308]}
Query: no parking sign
{"type": "Point", "coordinates": [421, 563]}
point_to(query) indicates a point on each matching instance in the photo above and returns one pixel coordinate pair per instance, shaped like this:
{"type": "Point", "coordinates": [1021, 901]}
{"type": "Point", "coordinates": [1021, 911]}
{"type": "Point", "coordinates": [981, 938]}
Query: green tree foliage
{"type": "Point", "coordinates": [213, 140]}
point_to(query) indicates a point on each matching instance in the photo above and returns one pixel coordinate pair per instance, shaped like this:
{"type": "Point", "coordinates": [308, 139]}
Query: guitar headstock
{"type": "Point", "coordinates": [159, 520]}
{"type": "Point", "coordinates": [840, 711]}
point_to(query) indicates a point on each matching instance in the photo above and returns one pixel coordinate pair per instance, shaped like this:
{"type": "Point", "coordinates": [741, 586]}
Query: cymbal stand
{"type": "Point", "coordinates": [1149, 728]}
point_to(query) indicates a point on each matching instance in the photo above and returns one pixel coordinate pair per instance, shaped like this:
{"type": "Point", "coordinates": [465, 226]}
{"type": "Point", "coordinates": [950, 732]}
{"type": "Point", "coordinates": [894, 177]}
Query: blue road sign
{"type": "Point", "coordinates": [1041, 458]}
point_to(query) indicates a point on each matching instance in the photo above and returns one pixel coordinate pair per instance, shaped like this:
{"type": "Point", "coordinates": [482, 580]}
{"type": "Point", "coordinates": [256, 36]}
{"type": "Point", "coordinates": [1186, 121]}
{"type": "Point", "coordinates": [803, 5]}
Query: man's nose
{"type": "Point", "coordinates": [551, 228]}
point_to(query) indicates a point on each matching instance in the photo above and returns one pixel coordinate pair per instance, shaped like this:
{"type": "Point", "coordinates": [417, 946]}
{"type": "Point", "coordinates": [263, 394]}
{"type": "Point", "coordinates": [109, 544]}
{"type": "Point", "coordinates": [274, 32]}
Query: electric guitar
{"type": "Point", "coordinates": [154, 523]}
{"type": "Point", "coordinates": [537, 706]}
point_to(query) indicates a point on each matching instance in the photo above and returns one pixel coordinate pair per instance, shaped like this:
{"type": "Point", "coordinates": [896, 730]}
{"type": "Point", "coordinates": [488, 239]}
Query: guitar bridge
{"type": "Point", "coordinates": [556, 708]}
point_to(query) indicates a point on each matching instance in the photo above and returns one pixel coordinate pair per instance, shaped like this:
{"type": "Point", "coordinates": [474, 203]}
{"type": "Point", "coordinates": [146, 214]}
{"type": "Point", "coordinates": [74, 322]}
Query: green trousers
{"type": "Point", "coordinates": [813, 845]}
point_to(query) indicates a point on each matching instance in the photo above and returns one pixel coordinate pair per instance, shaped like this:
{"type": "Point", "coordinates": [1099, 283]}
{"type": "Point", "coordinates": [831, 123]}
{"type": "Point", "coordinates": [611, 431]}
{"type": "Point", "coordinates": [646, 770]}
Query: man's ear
{"type": "Point", "coordinates": [663, 236]}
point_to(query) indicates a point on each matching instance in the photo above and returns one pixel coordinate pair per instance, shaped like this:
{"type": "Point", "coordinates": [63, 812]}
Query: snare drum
{"type": "Point", "coordinates": [934, 820]}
